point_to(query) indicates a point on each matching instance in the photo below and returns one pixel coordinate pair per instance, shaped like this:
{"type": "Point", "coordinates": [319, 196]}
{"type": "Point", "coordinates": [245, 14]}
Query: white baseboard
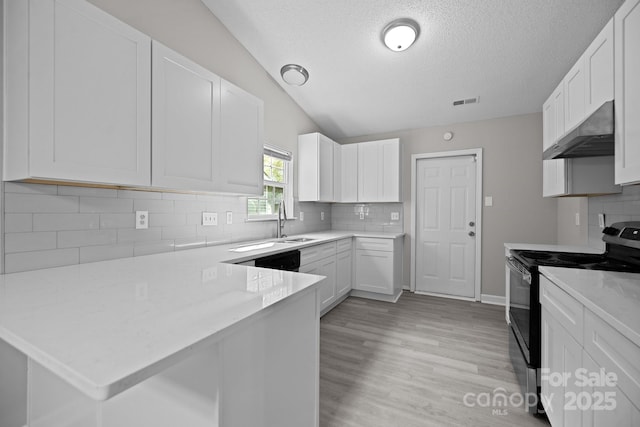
{"type": "Point", "coordinates": [492, 299]}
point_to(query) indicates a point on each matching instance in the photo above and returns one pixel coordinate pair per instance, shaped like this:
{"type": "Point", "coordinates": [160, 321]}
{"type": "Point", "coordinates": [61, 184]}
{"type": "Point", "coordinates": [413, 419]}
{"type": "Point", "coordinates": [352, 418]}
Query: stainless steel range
{"type": "Point", "coordinates": [622, 253]}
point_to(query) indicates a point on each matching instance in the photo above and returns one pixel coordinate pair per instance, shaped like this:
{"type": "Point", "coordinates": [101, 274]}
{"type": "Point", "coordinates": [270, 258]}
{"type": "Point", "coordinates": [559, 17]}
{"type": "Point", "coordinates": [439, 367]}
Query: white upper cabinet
{"type": "Point", "coordinates": [627, 92]}
{"type": "Point", "coordinates": [574, 88]}
{"type": "Point", "coordinates": [315, 168]}
{"type": "Point", "coordinates": [78, 85]}
{"type": "Point", "coordinates": [239, 160]}
{"type": "Point", "coordinates": [349, 173]}
{"type": "Point", "coordinates": [186, 122]}
{"type": "Point", "coordinates": [598, 70]}
{"type": "Point", "coordinates": [379, 171]}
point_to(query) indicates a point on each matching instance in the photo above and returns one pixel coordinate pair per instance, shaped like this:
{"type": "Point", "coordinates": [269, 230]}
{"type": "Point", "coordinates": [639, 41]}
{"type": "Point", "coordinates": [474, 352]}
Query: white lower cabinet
{"type": "Point", "coordinates": [590, 374]}
{"type": "Point", "coordinates": [321, 260]}
{"type": "Point", "coordinates": [344, 270]}
{"type": "Point", "coordinates": [378, 268]}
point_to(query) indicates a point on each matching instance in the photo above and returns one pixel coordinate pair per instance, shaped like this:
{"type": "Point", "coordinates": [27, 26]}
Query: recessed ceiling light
{"type": "Point", "coordinates": [294, 74]}
{"type": "Point", "coordinates": [400, 34]}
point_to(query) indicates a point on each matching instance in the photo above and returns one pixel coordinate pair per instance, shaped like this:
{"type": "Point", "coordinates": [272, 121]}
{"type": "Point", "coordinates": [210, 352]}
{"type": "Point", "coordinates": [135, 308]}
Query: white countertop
{"type": "Point", "coordinates": [109, 325]}
{"type": "Point", "coordinates": [613, 296]}
{"type": "Point", "coordinates": [106, 326]}
{"type": "Point", "coordinates": [554, 248]}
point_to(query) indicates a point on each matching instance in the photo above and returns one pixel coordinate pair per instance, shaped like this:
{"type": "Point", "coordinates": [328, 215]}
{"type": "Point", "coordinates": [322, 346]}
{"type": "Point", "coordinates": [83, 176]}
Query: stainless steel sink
{"type": "Point", "coordinates": [298, 240]}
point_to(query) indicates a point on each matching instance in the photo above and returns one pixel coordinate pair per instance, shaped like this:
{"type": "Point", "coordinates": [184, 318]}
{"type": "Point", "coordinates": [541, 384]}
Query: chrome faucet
{"type": "Point", "coordinates": [282, 218]}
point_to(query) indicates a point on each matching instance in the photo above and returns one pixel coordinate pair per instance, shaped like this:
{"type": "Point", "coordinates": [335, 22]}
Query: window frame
{"type": "Point", "coordinates": [287, 186]}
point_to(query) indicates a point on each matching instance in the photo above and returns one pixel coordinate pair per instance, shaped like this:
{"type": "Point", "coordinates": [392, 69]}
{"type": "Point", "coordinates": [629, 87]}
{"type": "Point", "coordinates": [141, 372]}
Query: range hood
{"type": "Point", "coordinates": [593, 137]}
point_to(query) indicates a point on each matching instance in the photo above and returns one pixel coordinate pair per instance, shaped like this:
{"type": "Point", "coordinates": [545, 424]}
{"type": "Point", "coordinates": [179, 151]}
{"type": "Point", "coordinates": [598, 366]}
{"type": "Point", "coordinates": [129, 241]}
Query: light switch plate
{"type": "Point", "coordinates": [395, 216]}
{"type": "Point", "coordinates": [488, 201]}
{"type": "Point", "coordinates": [229, 217]}
{"type": "Point", "coordinates": [209, 218]}
{"type": "Point", "coordinates": [142, 220]}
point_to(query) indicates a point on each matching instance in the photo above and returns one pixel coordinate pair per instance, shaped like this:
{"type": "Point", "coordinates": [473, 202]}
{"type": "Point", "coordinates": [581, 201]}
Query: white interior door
{"type": "Point", "coordinates": [445, 250]}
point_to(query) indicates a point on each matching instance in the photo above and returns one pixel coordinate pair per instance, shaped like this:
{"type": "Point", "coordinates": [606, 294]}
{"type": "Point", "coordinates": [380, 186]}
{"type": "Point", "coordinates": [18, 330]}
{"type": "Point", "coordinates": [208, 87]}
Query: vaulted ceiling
{"type": "Point", "coordinates": [509, 53]}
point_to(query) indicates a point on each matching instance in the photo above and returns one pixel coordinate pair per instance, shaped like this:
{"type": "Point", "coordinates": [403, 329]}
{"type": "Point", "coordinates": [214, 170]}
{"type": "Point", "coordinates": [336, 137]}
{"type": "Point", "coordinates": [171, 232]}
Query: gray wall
{"type": "Point", "coordinates": [512, 175]}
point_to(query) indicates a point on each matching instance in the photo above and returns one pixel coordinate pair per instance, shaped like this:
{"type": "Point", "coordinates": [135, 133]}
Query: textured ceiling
{"type": "Point", "coordinates": [510, 53]}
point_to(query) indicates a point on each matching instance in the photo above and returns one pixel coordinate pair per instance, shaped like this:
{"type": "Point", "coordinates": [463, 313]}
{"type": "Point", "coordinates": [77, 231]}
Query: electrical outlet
{"type": "Point", "coordinates": [577, 218]}
{"type": "Point", "coordinates": [395, 216]}
{"type": "Point", "coordinates": [142, 220]}
{"type": "Point", "coordinates": [209, 218]}
{"type": "Point", "coordinates": [601, 220]}
{"type": "Point", "coordinates": [321, 216]}
{"type": "Point", "coordinates": [488, 201]}
{"type": "Point", "coordinates": [229, 217]}
{"type": "Point", "coordinates": [301, 216]}
{"type": "Point", "coordinates": [361, 215]}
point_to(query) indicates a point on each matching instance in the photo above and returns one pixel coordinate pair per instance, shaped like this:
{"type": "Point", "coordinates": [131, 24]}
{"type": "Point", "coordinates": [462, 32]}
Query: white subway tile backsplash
{"type": "Point", "coordinates": [80, 238]}
{"type": "Point", "coordinates": [39, 203]}
{"type": "Point", "coordinates": [117, 220]}
{"type": "Point", "coordinates": [69, 221]}
{"type": "Point", "coordinates": [105, 205]}
{"type": "Point", "coordinates": [16, 223]}
{"type": "Point", "coordinates": [133, 235]}
{"type": "Point", "coordinates": [49, 225]}
{"type": "Point", "coordinates": [105, 252]}
{"type": "Point", "coordinates": [135, 194]}
{"type": "Point", "coordinates": [65, 190]}
{"type": "Point", "coordinates": [153, 206]}
{"type": "Point", "coordinates": [25, 261]}
{"type": "Point", "coordinates": [26, 242]}
{"type": "Point", "coordinates": [20, 187]}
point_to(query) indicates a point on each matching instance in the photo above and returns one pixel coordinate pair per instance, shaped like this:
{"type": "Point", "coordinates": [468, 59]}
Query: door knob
{"type": "Point", "coordinates": [471, 224]}
{"type": "Point", "coordinates": [472, 233]}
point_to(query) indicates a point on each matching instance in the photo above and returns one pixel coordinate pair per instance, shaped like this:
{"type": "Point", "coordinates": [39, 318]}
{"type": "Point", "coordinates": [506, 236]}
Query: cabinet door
{"type": "Point", "coordinates": [325, 169]}
{"type": "Point", "coordinates": [604, 405]}
{"type": "Point", "coordinates": [368, 170]}
{"type": "Point", "coordinates": [627, 93]}
{"type": "Point", "coordinates": [374, 271]}
{"type": "Point", "coordinates": [343, 272]}
{"type": "Point", "coordinates": [337, 173]}
{"type": "Point", "coordinates": [186, 122]}
{"type": "Point", "coordinates": [239, 155]}
{"type": "Point", "coordinates": [327, 289]}
{"type": "Point", "coordinates": [89, 95]}
{"type": "Point", "coordinates": [389, 176]}
{"type": "Point", "coordinates": [558, 107]}
{"type": "Point", "coordinates": [548, 123]}
{"type": "Point", "coordinates": [598, 70]}
{"type": "Point", "coordinates": [561, 355]}
{"type": "Point", "coordinates": [554, 181]}
{"type": "Point", "coordinates": [574, 103]}
{"type": "Point", "coordinates": [349, 173]}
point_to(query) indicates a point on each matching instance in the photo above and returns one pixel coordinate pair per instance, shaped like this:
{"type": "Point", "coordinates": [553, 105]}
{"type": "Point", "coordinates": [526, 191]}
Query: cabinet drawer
{"type": "Point", "coordinates": [318, 252]}
{"type": "Point", "coordinates": [563, 307]}
{"type": "Point", "coordinates": [614, 352]}
{"type": "Point", "coordinates": [344, 245]}
{"type": "Point", "coordinates": [374, 244]}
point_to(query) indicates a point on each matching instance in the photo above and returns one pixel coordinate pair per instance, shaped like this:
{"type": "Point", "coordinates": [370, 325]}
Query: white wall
{"type": "Point", "coordinates": [512, 175]}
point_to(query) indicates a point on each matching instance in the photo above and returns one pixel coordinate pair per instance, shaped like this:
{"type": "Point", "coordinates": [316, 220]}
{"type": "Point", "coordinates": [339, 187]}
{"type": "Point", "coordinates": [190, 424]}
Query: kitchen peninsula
{"type": "Point", "coordinates": [164, 340]}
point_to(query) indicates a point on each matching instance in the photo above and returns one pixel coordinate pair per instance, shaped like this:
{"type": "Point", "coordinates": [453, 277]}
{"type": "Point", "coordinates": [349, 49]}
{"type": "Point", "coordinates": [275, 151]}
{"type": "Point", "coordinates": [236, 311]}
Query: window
{"type": "Point", "coordinates": [276, 168]}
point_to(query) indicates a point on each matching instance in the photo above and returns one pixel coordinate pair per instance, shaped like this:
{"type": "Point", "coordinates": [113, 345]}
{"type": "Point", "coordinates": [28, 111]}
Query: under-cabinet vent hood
{"type": "Point", "coordinates": [593, 137]}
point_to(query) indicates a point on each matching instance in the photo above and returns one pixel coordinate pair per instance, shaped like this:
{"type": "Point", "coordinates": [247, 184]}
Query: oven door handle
{"type": "Point", "coordinates": [518, 268]}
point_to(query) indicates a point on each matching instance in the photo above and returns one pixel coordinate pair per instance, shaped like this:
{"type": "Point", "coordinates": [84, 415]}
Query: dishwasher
{"type": "Point", "coordinates": [289, 261]}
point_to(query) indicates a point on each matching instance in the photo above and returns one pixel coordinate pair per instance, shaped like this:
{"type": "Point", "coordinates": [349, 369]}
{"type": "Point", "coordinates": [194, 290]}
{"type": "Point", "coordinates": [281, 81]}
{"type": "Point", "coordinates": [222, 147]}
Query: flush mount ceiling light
{"type": "Point", "coordinates": [294, 74]}
{"type": "Point", "coordinates": [400, 34]}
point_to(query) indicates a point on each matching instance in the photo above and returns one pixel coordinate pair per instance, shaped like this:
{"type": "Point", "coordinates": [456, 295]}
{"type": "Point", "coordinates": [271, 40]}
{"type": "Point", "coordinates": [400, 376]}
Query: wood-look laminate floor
{"type": "Point", "coordinates": [412, 363]}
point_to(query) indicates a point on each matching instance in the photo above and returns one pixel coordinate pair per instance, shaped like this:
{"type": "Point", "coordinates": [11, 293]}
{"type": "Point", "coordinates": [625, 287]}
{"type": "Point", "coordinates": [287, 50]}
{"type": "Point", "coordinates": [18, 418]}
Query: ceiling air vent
{"type": "Point", "coordinates": [467, 101]}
